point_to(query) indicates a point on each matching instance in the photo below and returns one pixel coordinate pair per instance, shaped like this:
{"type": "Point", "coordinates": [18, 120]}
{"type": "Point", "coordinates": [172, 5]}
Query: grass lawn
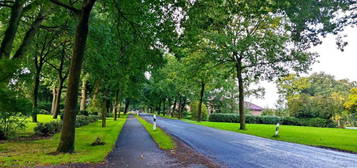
{"type": "Point", "coordinates": [160, 137]}
{"type": "Point", "coordinates": [35, 152]}
{"type": "Point", "coordinates": [343, 139]}
{"type": "Point", "coordinates": [41, 118]}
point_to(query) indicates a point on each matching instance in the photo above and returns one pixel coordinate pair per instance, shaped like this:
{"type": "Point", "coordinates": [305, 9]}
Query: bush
{"type": "Point", "coordinates": [291, 121]}
{"type": "Point", "coordinates": [313, 122]}
{"type": "Point", "coordinates": [48, 129]}
{"type": "Point", "coordinates": [2, 135]}
{"type": "Point", "coordinates": [194, 111]}
{"type": "Point", "coordinates": [318, 122]}
{"type": "Point", "coordinates": [44, 107]}
{"type": "Point", "coordinates": [83, 120]}
{"type": "Point", "coordinates": [83, 112]}
{"type": "Point", "coordinates": [14, 109]}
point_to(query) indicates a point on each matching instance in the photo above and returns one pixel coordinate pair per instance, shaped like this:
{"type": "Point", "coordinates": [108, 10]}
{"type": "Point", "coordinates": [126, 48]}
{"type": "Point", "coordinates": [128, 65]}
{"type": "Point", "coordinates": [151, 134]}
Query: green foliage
{"type": "Point", "coordinates": [319, 95]}
{"type": "Point", "coordinates": [351, 103]}
{"type": "Point", "coordinates": [48, 129]}
{"type": "Point", "coordinates": [44, 107]}
{"type": "Point", "coordinates": [234, 118]}
{"type": "Point", "coordinates": [13, 111]}
{"type": "Point", "coordinates": [276, 112]}
{"type": "Point", "coordinates": [303, 106]}
{"type": "Point", "coordinates": [83, 120]}
{"type": "Point", "coordinates": [83, 112]}
{"type": "Point", "coordinates": [194, 111]}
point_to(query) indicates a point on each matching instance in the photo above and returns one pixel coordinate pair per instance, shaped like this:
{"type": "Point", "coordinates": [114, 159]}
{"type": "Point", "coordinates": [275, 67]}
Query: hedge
{"type": "Point", "coordinates": [234, 118]}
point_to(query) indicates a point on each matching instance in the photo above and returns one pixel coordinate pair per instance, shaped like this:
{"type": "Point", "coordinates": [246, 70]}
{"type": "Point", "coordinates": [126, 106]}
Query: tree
{"type": "Point", "coordinates": [260, 39]}
{"type": "Point", "coordinates": [42, 52]}
{"type": "Point", "coordinates": [351, 103]}
{"type": "Point", "coordinates": [66, 144]}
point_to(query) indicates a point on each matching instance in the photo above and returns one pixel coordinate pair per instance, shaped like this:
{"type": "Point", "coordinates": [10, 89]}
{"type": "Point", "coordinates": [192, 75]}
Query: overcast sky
{"type": "Point", "coordinates": [332, 61]}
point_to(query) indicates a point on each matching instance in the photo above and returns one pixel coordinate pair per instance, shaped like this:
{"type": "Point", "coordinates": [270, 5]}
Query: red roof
{"type": "Point", "coordinates": [253, 107]}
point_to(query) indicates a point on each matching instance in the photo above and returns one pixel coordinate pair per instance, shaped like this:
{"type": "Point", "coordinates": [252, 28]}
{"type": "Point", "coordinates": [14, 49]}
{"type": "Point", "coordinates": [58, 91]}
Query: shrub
{"type": "Point", "coordinates": [291, 121]}
{"type": "Point", "coordinates": [313, 122]}
{"type": "Point", "coordinates": [13, 111]}
{"type": "Point", "coordinates": [83, 112]}
{"type": "Point", "coordinates": [47, 129]}
{"type": "Point", "coordinates": [85, 120]}
{"type": "Point", "coordinates": [2, 135]}
{"type": "Point", "coordinates": [318, 122]}
{"type": "Point", "coordinates": [44, 107]}
{"type": "Point", "coordinates": [194, 111]}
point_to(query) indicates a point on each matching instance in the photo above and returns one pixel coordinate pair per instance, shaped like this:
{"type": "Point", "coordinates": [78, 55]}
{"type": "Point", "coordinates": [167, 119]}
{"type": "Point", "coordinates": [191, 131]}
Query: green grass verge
{"type": "Point", "coordinates": [35, 153]}
{"type": "Point", "coordinates": [163, 140]}
{"type": "Point", "coordinates": [342, 139]}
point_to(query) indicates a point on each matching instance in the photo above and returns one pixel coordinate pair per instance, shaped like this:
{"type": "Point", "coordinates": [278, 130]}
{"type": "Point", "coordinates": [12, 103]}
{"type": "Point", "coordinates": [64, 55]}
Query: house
{"type": "Point", "coordinates": [254, 109]}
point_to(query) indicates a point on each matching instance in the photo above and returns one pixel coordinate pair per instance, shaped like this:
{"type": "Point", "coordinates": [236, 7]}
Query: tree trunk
{"type": "Point", "coordinates": [54, 100]}
{"type": "Point", "coordinates": [119, 106]}
{"type": "Point", "coordinates": [66, 144]}
{"type": "Point", "coordinates": [26, 42]}
{"type": "Point", "coordinates": [10, 33]}
{"type": "Point", "coordinates": [58, 100]}
{"type": "Point", "coordinates": [179, 107]}
{"type": "Point", "coordinates": [201, 100]}
{"type": "Point", "coordinates": [241, 95]}
{"type": "Point", "coordinates": [159, 108]}
{"type": "Point", "coordinates": [35, 95]}
{"type": "Point", "coordinates": [105, 112]}
{"type": "Point", "coordinates": [127, 103]}
{"type": "Point", "coordinates": [164, 108]}
{"type": "Point", "coordinates": [183, 106]}
{"type": "Point", "coordinates": [116, 105]}
{"type": "Point", "coordinates": [174, 107]}
{"type": "Point", "coordinates": [83, 95]}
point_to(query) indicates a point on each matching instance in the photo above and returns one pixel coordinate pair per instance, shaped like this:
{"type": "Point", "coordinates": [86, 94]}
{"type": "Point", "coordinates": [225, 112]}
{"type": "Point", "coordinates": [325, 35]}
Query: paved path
{"type": "Point", "coordinates": [240, 150]}
{"type": "Point", "coordinates": [136, 149]}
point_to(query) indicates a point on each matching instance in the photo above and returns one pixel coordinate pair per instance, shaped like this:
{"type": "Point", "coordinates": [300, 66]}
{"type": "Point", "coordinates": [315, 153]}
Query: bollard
{"type": "Point", "coordinates": [277, 130]}
{"type": "Point", "coordinates": [154, 125]}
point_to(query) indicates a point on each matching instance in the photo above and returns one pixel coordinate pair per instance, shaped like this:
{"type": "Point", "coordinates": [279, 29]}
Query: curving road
{"type": "Point", "coordinates": [240, 150]}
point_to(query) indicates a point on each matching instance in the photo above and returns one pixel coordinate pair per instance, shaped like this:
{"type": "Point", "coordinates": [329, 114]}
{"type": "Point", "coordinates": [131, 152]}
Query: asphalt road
{"type": "Point", "coordinates": [136, 149]}
{"type": "Point", "coordinates": [236, 150]}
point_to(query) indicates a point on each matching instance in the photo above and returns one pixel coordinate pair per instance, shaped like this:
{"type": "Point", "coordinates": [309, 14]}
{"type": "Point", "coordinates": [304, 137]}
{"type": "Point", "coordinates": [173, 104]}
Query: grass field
{"type": "Point", "coordinates": [342, 139]}
{"type": "Point", "coordinates": [163, 140]}
{"type": "Point", "coordinates": [41, 118]}
{"type": "Point", "coordinates": [35, 152]}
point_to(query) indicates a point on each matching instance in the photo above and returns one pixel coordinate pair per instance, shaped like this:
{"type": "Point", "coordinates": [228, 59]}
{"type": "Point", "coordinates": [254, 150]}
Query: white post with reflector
{"type": "Point", "coordinates": [154, 125]}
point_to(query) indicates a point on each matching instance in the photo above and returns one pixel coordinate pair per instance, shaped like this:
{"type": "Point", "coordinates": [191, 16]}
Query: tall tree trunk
{"type": "Point", "coordinates": [164, 108]}
{"type": "Point", "coordinates": [201, 100]}
{"type": "Point", "coordinates": [58, 100]}
{"type": "Point", "coordinates": [179, 106]}
{"type": "Point", "coordinates": [116, 105]}
{"type": "Point", "coordinates": [127, 103]}
{"type": "Point", "coordinates": [66, 144]}
{"type": "Point", "coordinates": [54, 100]}
{"type": "Point", "coordinates": [174, 107]}
{"type": "Point", "coordinates": [30, 34]}
{"type": "Point", "coordinates": [83, 95]}
{"type": "Point", "coordinates": [105, 111]}
{"type": "Point", "coordinates": [35, 95]}
{"type": "Point", "coordinates": [183, 106]}
{"type": "Point", "coordinates": [159, 107]}
{"type": "Point", "coordinates": [241, 95]}
{"type": "Point", "coordinates": [10, 33]}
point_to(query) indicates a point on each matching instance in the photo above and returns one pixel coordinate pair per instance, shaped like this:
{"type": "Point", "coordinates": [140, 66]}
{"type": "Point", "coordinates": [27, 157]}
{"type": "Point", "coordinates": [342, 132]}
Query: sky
{"type": "Point", "coordinates": [343, 65]}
